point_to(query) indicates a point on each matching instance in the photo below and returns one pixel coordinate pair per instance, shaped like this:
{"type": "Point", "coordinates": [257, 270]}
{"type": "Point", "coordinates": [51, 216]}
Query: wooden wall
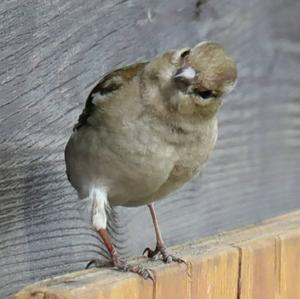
{"type": "Point", "coordinates": [53, 52]}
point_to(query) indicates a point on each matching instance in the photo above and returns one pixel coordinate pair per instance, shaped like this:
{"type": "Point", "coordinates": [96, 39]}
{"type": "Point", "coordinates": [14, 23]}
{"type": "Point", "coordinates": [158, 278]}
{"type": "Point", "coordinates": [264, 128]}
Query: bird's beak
{"type": "Point", "coordinates": [185, 73]}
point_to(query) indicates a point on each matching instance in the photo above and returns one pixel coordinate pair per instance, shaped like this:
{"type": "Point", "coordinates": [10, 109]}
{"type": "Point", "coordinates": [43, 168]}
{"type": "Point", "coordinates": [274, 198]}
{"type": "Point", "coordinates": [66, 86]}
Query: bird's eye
{"type": "Point", "coordinates": [185, 53]}
{"type": "Point", "coordinates": [205, 94]}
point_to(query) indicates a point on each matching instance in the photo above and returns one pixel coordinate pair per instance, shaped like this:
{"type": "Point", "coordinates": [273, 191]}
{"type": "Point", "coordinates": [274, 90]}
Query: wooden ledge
{"type": "Point", "coordinates": [257, 262]}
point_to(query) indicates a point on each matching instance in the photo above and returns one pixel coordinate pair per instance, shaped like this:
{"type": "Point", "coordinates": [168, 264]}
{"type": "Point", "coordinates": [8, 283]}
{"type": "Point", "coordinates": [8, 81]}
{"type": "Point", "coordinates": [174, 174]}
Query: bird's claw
{"type": "Point", "coordinates": [122, 266]}
{"type": "Point", "coordinates": [145, 273]}
{"type": "Point", "coordinates": [161, 253]}
{"type": "Point", "coordinates": [172, 258]}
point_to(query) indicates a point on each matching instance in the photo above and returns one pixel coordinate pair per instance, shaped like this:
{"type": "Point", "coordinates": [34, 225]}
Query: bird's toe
{"type": "Point", "coordinates": [124, 267]}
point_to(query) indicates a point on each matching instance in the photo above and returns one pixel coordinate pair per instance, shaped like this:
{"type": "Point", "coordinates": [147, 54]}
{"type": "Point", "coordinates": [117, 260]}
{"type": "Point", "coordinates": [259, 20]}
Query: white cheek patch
{"type": "Point", "coordinates": [188, 73]}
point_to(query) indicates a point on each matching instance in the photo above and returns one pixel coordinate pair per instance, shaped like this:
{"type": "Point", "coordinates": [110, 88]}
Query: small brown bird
{"type": "Point", "coordinates": [146, 130]}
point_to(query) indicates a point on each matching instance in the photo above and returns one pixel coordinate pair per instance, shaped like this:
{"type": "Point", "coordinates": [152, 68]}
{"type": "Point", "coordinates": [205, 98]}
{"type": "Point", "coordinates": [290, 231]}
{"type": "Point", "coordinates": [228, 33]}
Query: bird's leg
{"type": "Point", "coordinates": [116, 261]}
{"type": "Point", "coordinates": [160, 245]}
{"type": "Point", "coordinates": [99, 220]}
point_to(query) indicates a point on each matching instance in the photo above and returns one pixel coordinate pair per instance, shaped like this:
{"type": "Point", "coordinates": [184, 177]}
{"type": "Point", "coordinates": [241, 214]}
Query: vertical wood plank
{"type": "Point", "coordinates": [258, 270]}
{"type": "Point", "coordinates": [289, 270]}
{"type": "Point", "coordinates": [172, 282]}
{"type": "Point", "coordinates": [215, 276]}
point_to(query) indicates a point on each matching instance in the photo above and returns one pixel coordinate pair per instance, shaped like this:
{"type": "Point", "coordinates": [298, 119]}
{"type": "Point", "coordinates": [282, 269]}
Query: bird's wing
{"type": "Point", "coordinates": [111, 82]}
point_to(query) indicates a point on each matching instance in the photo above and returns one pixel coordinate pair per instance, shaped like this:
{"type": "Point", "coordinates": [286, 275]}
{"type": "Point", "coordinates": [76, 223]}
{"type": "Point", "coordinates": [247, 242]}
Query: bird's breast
{"type": "Point", "coordinates": [136, 162]}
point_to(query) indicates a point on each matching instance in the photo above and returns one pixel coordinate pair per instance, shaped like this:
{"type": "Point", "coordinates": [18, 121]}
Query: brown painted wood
{"type": "Point", "coordinates": [53, 52]}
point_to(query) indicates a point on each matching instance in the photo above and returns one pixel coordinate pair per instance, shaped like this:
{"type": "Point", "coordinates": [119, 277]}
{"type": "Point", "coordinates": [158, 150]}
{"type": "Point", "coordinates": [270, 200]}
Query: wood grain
{"type": "Point", "coordinates": [258, 269]}
{"type": "Point", "coordinates": [53, 52]}
{"type": "Point", "coordinates": [250, 263]}
{"type": "Point", "coordinates": [288, 246]}
{"type": "Point", "coordinates": [215, 275]}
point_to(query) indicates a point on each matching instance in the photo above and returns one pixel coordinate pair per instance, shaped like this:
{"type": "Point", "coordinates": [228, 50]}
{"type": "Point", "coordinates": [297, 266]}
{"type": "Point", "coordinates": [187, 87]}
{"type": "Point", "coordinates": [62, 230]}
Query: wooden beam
{"type": "Point", "coordinates": [257, 262]}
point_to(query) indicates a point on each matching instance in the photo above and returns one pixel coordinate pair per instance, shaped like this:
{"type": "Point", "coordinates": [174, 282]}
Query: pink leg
{"type": "Point", "coordinates": [160, 245]}
{"type": "Point", "coordinates": [116, 260]}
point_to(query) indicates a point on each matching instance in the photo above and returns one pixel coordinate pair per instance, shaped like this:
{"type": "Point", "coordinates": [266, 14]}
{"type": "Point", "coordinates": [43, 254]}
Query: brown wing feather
{"type": "Point", "coordinates": [106, 85]}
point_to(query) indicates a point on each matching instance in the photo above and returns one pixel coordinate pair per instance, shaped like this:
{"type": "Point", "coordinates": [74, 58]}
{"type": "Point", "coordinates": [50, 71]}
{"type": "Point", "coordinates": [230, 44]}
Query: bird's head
{"type": "Point", "coordinates": [191, 81]}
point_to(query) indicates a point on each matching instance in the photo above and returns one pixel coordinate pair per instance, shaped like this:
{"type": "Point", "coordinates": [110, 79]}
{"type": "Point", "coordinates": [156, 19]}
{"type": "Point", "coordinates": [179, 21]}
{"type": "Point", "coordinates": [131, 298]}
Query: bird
{"type": "Point", "coordinates": [146, 130]}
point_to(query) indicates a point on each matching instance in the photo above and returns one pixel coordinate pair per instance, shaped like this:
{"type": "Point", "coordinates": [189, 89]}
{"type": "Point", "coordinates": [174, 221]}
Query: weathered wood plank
{"type": "Point", "coordinates": [250, 263]}
{"type": "Point", "coordinates": [52, 52]}
{"type": "Point", "coordinates": [215, 275]}
{"type": "Point", "coordinates": [258, 277]}
{"type": "Point", "coordinates": [288, 247]}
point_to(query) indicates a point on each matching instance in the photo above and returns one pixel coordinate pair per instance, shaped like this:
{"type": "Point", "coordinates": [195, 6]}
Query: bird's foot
{"type": "Point", "coordinates": [124, 267]}
{"type": "Point", "coordinates": [120, 265]}
{"type": "Point", "coordinates": [160, 252]}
